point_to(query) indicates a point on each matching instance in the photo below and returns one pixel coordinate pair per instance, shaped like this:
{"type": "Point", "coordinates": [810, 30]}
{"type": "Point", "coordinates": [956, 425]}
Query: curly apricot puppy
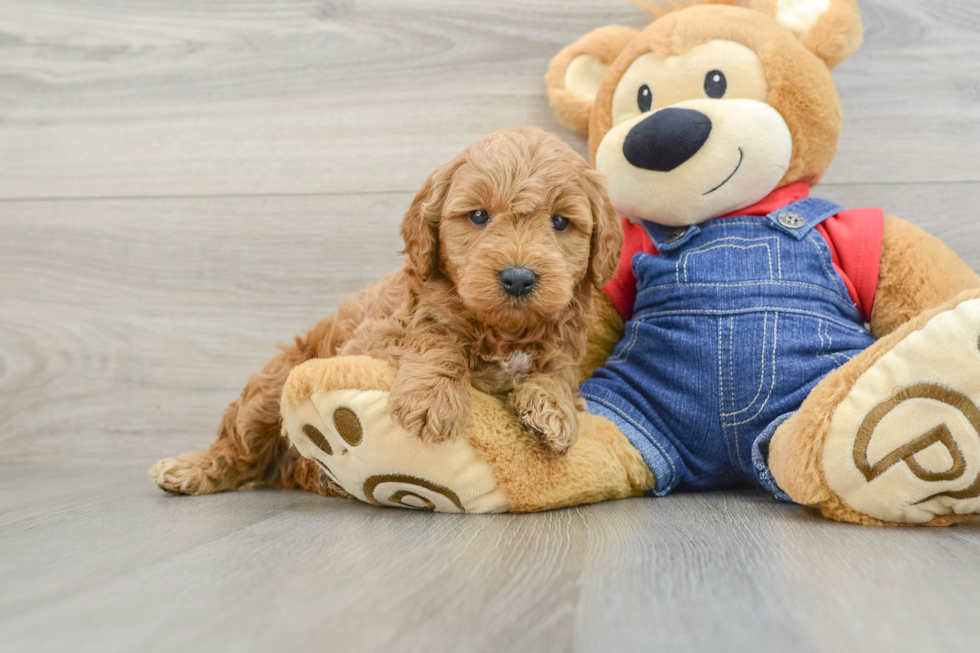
{"type": "Point", "coordinates": [504, 245]}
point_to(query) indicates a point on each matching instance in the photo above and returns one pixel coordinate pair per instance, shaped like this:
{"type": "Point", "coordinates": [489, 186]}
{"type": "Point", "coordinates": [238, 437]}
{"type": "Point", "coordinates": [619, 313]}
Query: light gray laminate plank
{"type": "Point", "coordinates": [159, 98]}
{"type": "Point", "coordinates": [65, 528]}
{"type": "Point", "coordinates": [125, 567]}
{"type": "Point", "coordinates": [126, 326]}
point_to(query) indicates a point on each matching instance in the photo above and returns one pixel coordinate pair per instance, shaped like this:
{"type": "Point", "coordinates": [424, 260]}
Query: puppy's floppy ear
{"type": "Point", "coordinates": [420, 226]}
{"type": "Point", "coordinates": [607, 230]}
{"type": "Point", "coordinates": [574, 75]}
{"type": "Point", "coordinates": [830, 29]}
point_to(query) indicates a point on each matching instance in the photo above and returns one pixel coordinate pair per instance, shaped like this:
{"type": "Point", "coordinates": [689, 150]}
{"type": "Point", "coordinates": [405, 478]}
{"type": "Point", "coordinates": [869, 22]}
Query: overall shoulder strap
{"type": "Point", "coordinates": [799, 218]}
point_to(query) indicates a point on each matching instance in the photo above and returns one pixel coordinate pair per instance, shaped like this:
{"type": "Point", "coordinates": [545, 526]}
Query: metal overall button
{"type": "Point", "coordinates": [676, 235]}
{"type": "Point", "coordinates": [791, 220]}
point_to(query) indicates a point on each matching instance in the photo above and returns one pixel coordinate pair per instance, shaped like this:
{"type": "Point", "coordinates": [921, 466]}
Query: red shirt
{"type": "Point", "coordinates": [854, 238]}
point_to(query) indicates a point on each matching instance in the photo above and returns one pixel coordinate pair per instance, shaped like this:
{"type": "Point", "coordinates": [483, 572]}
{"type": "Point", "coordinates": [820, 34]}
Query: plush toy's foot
{"type": "Point", "coordinates": [894, 436]}
{"type": "Point", "coordinates": [335, 413]}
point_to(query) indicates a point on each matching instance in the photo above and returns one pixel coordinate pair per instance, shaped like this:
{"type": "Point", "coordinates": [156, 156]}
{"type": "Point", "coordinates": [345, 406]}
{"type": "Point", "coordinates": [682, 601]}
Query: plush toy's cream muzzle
{"type": "Point", "coordinates": [695, 160]}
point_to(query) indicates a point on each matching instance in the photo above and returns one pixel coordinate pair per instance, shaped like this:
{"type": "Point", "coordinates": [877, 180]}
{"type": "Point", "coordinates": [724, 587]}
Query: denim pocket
{"type": "Point", "coordinates": [756, 259]}
{"type": "Point", "coordinates": [747, 371]}
{"type": "Point", "coordinates": [747, 365]}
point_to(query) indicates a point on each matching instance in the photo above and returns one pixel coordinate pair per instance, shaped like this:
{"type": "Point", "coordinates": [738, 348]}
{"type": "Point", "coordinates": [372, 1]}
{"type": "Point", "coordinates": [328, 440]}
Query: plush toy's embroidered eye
{"type": "Point", "coordinates": [560, 223]}
{"type": "Point", "coordinates": [715, 84]}
{"type": "Point", "coordinates": [644, 98]}
{"type": "Point", "coordinates": [479, 217]}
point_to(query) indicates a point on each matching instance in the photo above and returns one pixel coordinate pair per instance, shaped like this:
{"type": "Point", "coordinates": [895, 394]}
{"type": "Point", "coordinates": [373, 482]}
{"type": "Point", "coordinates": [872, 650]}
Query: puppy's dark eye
{"type": "Point", "coordinates": [715, 84]}
{"type": "Point", "coordinates": [560, 223]}
{"type": "Point", "coordinates": [479, 217]}
{"type": "Point", "coordinates": [644, 98]}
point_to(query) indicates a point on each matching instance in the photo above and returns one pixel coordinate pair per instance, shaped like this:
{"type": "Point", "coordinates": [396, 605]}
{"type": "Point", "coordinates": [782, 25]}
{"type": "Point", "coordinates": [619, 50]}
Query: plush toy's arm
{"type": "Point", "coordinates": [333, 406]}
{"type": "Point", "coordinates": [605, 331]}
{"type": "Point", "coordinates": [918, 272]}
{"type": "Point", "coordinates": [602, 465]}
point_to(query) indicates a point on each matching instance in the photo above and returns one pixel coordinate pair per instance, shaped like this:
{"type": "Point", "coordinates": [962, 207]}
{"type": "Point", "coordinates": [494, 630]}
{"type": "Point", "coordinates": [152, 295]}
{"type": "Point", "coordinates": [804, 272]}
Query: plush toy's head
{"type": "Point", "coordinates": [712, 106]}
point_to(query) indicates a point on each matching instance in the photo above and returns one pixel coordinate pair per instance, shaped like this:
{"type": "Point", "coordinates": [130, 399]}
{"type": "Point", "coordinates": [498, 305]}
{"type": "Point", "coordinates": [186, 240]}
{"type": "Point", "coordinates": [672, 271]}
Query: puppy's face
{"type": "Point", "coordinates": [522, 225]}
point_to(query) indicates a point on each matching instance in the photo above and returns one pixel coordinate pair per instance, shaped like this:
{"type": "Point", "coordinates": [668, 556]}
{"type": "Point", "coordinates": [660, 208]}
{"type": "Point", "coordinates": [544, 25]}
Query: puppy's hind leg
{"type": "Point", "coordinates": [249, 448]}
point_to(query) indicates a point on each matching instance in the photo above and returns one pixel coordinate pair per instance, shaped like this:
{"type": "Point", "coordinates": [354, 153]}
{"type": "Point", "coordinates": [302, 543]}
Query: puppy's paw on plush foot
{"type": "Point", "coordinates": [556, 429]}
{"type": "Point", "coordinates": [904, 444]}
{"type": "Point", "coordinates": [429, 415]}
{"type": "Point", "coordinates": [336, 413]}
{"type": "Point", "coordinates": [549, 414]}
{"type": "Point", "coordinates": [184, 474]}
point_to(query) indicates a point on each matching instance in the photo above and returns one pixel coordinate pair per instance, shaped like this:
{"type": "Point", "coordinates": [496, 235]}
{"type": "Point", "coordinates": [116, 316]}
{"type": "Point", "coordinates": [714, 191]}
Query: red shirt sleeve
{"type": "Point", "coordinates": [621, 290]}
{"type": "Point", "coordinates": [855, 240]}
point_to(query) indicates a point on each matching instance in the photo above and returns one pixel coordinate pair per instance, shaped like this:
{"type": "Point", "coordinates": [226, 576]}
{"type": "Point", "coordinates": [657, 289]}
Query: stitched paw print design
{"type": "Point", "coordinates": [905, 444]}
{"type": "Point", "coordinates": [335, 413]}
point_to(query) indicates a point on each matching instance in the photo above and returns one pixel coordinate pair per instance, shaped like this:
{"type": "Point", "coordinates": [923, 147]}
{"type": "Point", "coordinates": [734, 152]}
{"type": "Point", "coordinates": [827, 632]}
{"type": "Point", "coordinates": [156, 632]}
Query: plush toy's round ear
{"type": "Point", "coordinates": [575, 73]}
{"type": "Point", "coordinates": [830, 29]}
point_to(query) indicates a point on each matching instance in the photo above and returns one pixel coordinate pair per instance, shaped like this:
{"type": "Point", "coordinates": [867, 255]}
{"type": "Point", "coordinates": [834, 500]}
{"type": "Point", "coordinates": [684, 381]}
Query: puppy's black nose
{"type": "Point", "coordinates": [666, 139]}
{"type": "Point", "coordinates": [518, 281]}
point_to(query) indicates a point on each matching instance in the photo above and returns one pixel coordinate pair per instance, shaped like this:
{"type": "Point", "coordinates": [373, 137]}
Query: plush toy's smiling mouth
{"type": "Point", "coordinates": [741, 157]}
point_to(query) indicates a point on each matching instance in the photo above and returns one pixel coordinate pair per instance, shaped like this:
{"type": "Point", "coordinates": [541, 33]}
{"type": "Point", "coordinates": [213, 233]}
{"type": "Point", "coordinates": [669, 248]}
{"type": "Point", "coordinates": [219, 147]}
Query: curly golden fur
{"type": "Point", "coordinates": [444, 321]}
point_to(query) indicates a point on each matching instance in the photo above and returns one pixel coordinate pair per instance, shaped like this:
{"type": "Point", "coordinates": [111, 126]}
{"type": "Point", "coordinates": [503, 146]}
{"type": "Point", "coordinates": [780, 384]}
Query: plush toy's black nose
{"type": "Point", "coordinates": [666, 139]}
{"type": "Point", "coordinates": [518, 281]}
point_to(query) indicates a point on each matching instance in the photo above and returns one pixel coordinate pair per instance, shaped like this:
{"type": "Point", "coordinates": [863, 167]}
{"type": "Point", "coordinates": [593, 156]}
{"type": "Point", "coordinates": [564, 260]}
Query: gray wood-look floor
{"type": "Point", "coordinates": [185, 183]}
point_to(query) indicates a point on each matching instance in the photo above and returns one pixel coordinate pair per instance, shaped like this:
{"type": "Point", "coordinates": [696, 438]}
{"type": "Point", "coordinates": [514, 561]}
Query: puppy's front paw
{"type": "Point", "coordinates": [557, 428]}
{"type": "Point", "coordinates": [549, 412]}
{"type": "Point", "coordinates": [430, 414]}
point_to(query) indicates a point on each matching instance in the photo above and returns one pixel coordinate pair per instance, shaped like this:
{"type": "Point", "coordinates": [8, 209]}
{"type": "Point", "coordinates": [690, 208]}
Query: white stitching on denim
{"type": "Point", "coordinates": [624, 355]}
{"type": "Point", "coordinates": [721, 380]}
{"type": "Point", "coordinates": [731, 442]}
{"type": "Point", "coordinates": [731, 360]}
{"type": "Point", "coordinates": [618, 411]}
{"type": "Point", "coordinates": [762, 375]}
{"type": "Point", "coordinates": [779, 259]}
{"type": "Point", "coordinates": [763, 242]}
{"type": "Point", "coordinates": [728, 222]}
{"type": "Point", "coordinates": [825, 342]}
{"type": "Point", "coordinates": [789, 284]}
{"type": "Point", "coordinates": [828, 352]}
{"type": "Point", "coordinates": [834, 278]}
{"type": "Point", "coordinates": [708, 249]}
{"type": "Point", "coordinates": [821, 325]}
{"type": "Point", "coordinates": [721, 387]}
{"type": "Point", "coordinates": [823, 345]}
{"type": "Point", "coordinates": [830, 345]}
{"type": "Point", "coordinates": [755, 309]}
{"type": "Point", "coordinates": [772, 385]}
{"type": "Point", "coordinates": [712, 243]}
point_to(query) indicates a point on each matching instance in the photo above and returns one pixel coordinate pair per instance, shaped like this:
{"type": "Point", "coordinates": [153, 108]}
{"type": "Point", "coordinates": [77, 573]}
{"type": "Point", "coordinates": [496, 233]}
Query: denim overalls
{"type": "Point", "coordinates": [734, 324]}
